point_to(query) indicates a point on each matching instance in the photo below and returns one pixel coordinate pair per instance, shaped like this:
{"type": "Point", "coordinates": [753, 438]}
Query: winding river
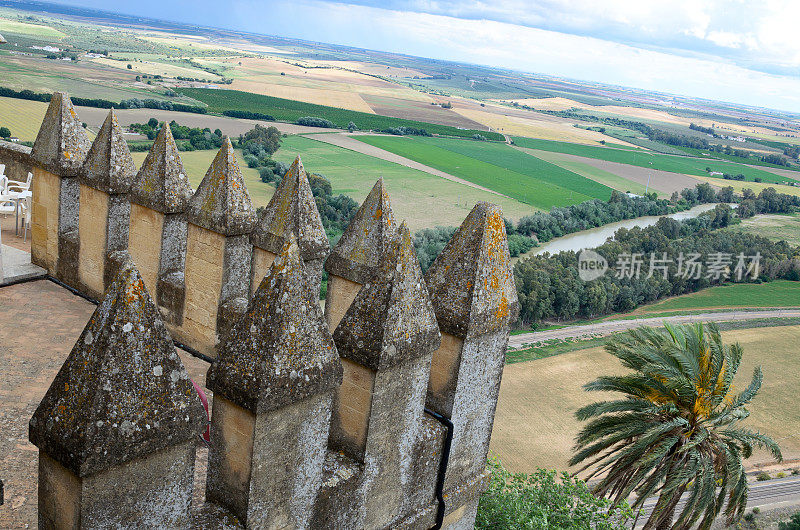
{"type": "Point", "coordinates": [594, 237]}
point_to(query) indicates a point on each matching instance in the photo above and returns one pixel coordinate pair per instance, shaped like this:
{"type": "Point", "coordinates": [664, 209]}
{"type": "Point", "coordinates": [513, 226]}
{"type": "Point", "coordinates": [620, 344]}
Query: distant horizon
{"type": "Point", "coordinates": [417, 27]}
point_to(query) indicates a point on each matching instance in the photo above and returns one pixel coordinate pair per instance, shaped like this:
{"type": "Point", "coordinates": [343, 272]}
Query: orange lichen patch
{"type": "Point", "coordinates": [222, 203]}
{"type": "Point", "coordinates": [61, 144]}
{"type": "Point", "coordinates": [109, 166]}
{"type": "Point", "coordinates": [281, 350]}
{"type": "Point", "coordinates": [472, 282]}
{"type": "Point", "coordinates": [292, 212]}
{"type": "Point", "coordinates": [162, 184]}
{"type": "Point", "coordinates": [391, 319]}
{"type": "Point", "coordinates": [365, 240]}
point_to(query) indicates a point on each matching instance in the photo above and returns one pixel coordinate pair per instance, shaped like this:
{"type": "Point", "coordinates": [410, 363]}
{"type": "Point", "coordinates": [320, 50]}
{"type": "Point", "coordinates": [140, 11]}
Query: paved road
{"type": "Point", "coordinates": [773, 494]}
{"type": "Point", "coordinates": [348, 142]}
{"type": "Point", "coordinates": [612, 326]}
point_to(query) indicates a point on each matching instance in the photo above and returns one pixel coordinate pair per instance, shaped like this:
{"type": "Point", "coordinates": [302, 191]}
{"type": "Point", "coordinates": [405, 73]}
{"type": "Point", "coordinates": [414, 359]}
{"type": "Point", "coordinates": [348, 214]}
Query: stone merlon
{"type": "Point", "coordinates": [221, 203]}
{"type": "Point", "coordinates": [123, 392]}
{"type": "Point", "coordinates": [292, 210]}
{"type": "Point", "coordinates": [280, 351]}
{"type": "Point", "coordinates": [471, 282]}
{"type": "Point", "coordinates": [391, 319]}
{"type": "Point", "coordinates": [360, 249]}
{"type": "Point", "coordinates": [161, 183]}
{"type": "Point", "coordinates": [109, 166]}
{"type": "Point", "coordinates": [61, 144]}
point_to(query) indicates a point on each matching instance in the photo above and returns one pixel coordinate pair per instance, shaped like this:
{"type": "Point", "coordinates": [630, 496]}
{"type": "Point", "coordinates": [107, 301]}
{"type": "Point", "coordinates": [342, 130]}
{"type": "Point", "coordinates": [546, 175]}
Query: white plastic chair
{"type": "Point", "coordinates": [27, 207]}
{"type": "Point", "coordinates": [17, 186]}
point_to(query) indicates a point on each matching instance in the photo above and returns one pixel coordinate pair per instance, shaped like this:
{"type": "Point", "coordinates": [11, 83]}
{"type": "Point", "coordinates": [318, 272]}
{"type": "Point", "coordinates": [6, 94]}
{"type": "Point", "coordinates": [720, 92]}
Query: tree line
{"type": "Point", "coordinates": [549, 287]}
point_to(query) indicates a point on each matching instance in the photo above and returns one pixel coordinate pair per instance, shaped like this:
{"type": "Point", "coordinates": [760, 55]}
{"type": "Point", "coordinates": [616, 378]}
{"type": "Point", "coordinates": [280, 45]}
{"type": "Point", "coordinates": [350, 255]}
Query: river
{"type": "Point", "coordinates": [594, 237]}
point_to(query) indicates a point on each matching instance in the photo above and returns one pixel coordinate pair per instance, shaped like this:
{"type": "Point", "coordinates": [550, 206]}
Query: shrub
{"type": "Point", "coordinates": [763, 476]}
{"type": "Point", "coordinates": [756, 510]}
{"type": "Point", "coordinates": [749, 517]}
{"type": "Point", "coordinates": [796, 471]}
{"type": "Point", "coordinates": [312, 121]}
{"type": "Point", "coordinates": [540, 501]}
{"type": "Point", "coordinates": [781, 475]}
{"type": "Point", "coordinates": [792, 524]}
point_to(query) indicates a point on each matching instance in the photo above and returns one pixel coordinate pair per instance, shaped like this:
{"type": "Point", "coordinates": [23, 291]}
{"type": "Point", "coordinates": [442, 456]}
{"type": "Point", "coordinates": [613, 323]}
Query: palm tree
{"type": "Point", "coordinates": [676, 428]}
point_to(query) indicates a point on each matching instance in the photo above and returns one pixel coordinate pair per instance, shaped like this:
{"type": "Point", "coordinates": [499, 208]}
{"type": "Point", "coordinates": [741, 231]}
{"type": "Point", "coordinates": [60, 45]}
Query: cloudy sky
{"type": "Point", "coordinates": [735, 50]}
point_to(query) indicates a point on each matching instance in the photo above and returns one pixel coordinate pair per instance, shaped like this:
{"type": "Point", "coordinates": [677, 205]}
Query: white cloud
{"type": "Point", "coordinates": [536, 50]}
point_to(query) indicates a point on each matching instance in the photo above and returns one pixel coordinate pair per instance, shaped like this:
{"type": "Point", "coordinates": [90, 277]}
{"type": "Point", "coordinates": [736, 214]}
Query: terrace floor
{"type": "Point", "coordinates": [39, 324]}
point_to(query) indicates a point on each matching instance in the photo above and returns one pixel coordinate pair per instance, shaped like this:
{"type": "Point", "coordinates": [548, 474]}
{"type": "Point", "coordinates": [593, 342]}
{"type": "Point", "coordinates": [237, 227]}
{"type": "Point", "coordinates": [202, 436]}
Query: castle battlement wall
{"type": "Point", "coordinates": [375, 413]}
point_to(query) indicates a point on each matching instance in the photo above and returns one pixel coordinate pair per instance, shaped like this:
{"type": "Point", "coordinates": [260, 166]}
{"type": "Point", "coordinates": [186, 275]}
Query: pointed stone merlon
{"type": "Point", "coordinates": [218, 254]}
{"type": "Point", "coordinates": [159, 197]}
{"type": "Point", "coordinates": [58, 154]}
{"type": "Point", "coordinates": [471, 285]}
{"type": "Point", "coordinates": [117, 429]}
{"type": "Point", "coordinates": [104, 209]}
{"type": "Point", "coordinates": [273, 385]}
{"type": "Point", "coordinates": [357, 255]}
{"type": "Point", "coordinates": [385, 339]}
{"type": "Point", "coordinates": [292, 212]}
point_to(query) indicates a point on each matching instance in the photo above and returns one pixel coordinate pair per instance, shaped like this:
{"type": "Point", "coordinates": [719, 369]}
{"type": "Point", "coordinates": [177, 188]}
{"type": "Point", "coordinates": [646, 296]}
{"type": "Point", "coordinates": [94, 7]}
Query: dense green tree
{"type": "Point", "coordinates": [5, 132]}
{"type": "Point", "coordinates": [543, 501]}
{"type": "Point", "coordinates": [675, 428]}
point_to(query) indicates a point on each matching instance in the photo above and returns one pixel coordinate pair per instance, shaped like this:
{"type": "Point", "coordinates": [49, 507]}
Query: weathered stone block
{"type": "Point", "coordinates": [46, 190]}
{"type": "Point", "coordinates": [205, 251]}
{"type": "Point", "coordinates": [92, 231]}
{"type": "Point", "coordinates": [144, 245]}
{"type": "Point", "coordinates": [151, 492]}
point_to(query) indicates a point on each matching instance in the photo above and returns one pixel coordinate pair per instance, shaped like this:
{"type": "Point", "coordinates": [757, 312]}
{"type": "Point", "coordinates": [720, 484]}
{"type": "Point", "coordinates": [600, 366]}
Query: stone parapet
{"type": "Point", "coordinates": [319, 420]}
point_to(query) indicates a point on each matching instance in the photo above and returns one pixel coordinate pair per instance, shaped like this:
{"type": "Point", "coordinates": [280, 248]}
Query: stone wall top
{"type": "Point", "coordinates": [471, 282]}
{"type": "Point", "coordinates": [16, 152]}
{"type": "Point", "coordinates": [61, 145]}
{"type": "Point", "coordinates": [360, 249]}
{"type": "Point", "coordinates": [221, 203]}
{"type": "Point", "coordinates": [391, 319]}
{"type": "Point", "coordinates": [123, 392]}
{"type": "Point", "coordinates": [161, 183]}
{"type": "Point", "coordinates": [280, 351]}
{"type": "Point", "coordinates": [292, 211]}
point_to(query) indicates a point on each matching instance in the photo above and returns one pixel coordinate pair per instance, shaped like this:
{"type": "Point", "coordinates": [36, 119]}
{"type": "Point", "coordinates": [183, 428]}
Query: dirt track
{"type": "Point", "coordinates": [346, 141]}
{"type": "Point", "coordinates": [663, 181]}
{"type": "Point", "coordinates": [612, 326]}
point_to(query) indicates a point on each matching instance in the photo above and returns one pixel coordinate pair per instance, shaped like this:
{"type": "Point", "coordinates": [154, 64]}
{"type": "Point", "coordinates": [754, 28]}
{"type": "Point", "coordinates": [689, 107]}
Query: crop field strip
{"type": "Point", "coordinates": [289, 110]}
{"type": "Point", "coordinates": [497, 167]}
{"type": "Point", "coordinates": [423, 200]}
{"type": "Point", "coordinates": [676, 164]}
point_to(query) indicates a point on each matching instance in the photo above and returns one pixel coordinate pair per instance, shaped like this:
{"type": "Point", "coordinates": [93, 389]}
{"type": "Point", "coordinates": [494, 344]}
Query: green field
{"type": "Point", "coordinates": [675, 164]}
{"type": "Point", "coordinates": [497, 167]}
{"type": "Point", "coordinates": [423, 200]}
{"type": "Point", "coordinates": [596, 174]}
{"type": "Point", "coordinates": [778, 293]}
{"type": "Point", "coordinates": [289, 110]}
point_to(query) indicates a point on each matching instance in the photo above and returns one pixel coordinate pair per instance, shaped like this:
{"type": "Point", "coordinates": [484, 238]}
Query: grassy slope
{"type": "Point", "coordinates": [497, 167]}
{"type": "Point", "coordinates": [676, 164]}
{"type": "Point", "coordinates": [289, 110]}
{"type": "Point", "coordinates": [421, 199]}
{"type": "Point", "coordinates": [779, 293]}
{"type": "Point", "coordinates": [535, 424]}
